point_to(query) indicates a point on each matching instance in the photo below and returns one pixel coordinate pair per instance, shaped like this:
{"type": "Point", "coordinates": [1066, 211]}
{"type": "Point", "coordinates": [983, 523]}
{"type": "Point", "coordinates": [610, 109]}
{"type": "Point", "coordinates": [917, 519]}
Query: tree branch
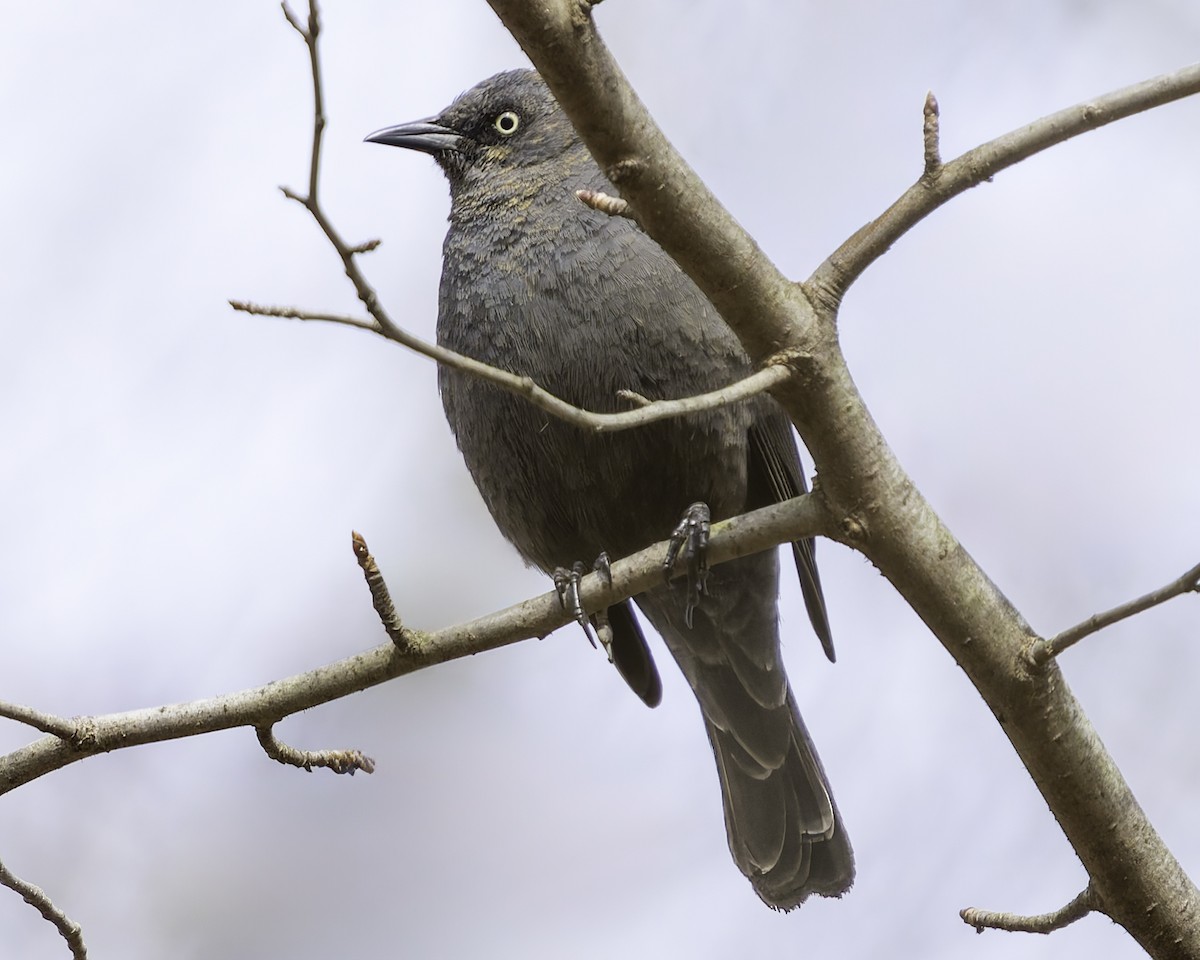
{"type": "Point", "coordinates": [59, 727]}
{"type": "Point", "coordinates": [1043, 650]}
{"type": "Point", "coordinates": [879, 510]}
{"type": "Point", "coordinates": [940, 184]}
{"type": "Point", "coordinates": [260, 707]}
{"type": "Point", "coordinates": [36, 897]}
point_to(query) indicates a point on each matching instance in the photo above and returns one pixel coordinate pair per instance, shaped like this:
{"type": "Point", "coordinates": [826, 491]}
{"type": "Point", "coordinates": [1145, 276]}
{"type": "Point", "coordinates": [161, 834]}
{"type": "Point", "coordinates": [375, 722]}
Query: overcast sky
{"type": "Point", "coordinates": [178, 483]}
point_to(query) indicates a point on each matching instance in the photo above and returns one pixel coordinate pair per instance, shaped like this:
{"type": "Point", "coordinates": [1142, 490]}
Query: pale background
{"type": "Point", "coordinates": [178, 483]}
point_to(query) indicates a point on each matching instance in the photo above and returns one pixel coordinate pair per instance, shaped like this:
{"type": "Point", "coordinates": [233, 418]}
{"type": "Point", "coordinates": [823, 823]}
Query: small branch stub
{"type": "Point", "coordinates": [932, 136]}
{"type": "Point", "coordinates": [381, 597]}
{"type": "Point", "coordinates": [605, 203]}
{"type": "Point", "coordinates": [339, 761]}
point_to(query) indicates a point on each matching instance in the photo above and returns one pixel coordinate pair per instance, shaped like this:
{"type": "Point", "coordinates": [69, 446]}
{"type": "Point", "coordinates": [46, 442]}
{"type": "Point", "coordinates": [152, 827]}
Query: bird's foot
{"type": "Point", "coordinates": [566, 584]}
{"type": "Point", "coordinates": [690, 537]}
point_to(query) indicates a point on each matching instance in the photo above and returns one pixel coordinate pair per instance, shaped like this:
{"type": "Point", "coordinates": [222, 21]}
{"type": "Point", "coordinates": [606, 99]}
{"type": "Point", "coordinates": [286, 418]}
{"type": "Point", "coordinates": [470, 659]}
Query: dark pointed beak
{"type": "Point", "coordinates": [423, 135]}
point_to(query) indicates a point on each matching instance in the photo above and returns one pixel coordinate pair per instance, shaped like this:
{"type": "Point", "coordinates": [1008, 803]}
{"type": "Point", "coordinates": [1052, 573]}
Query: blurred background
{"type": "Point", "coordinates": [178, 482]}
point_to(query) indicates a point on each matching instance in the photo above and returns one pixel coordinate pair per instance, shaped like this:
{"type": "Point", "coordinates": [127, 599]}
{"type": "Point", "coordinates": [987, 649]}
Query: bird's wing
{"type": "Point", "coordinates": [774, 474]}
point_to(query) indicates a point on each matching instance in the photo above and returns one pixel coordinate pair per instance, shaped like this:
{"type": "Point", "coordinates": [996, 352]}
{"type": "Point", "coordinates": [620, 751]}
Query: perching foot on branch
{"type": "Point", "coordinates": [566, 585]}
{"type": "Point", "coordinates": [691, 538]}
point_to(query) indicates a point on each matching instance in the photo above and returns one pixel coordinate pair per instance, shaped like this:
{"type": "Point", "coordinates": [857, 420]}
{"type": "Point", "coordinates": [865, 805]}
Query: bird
{"type": "Point", "coordinates": [590, 307]}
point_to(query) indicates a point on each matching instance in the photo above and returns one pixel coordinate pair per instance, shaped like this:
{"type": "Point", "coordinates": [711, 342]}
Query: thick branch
{"type": "Point", "coordinates": [262, 706]}
{"type": "Point", "coordinates": [880, 510]}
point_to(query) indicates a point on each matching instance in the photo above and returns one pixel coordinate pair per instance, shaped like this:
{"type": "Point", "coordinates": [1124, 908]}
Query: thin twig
{"type": "Point", "coordinates": [1077, 909]}
{"type": "Point", "coordinates": [931, 135]}
{"type": "Point", "coordinates": [339, 761]}
{"type": "Point", "coordinates": [295, 313]}
{"type": "Point", "coordinates": [775, 373]}
{"type": "Point", "coordinates": [310, 36]}
{"type": "Point", "coordinates": [46, 722]}
{"type": "Point", "coordinates": [381, 597]}
{"type": "Point", "coordinates": [1043, 650]}
{"type": "Point", "coordinates": [36, 897]}
{"type": "Point", "coordinates": [750, 533]}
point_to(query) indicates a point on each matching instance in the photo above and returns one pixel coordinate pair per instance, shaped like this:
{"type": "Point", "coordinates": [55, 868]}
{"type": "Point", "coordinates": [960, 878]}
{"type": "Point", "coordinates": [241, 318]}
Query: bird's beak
{"type": "Point", "coordinates": [423, 135]}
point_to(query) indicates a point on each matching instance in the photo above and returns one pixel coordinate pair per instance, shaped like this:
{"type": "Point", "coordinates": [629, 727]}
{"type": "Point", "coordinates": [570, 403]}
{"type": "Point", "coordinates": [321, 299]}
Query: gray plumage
{"type": "Point", "coordinates": [587, 305]}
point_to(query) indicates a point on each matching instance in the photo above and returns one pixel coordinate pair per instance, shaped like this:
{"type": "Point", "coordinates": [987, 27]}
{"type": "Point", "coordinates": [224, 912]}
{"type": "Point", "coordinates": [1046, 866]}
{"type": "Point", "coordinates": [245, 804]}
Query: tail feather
{"type": "Point", "coordinates": [784, 830]}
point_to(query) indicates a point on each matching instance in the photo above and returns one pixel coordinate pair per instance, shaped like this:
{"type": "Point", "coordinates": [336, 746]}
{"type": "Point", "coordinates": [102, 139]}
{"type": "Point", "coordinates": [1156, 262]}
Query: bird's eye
{"type": "Point", "coordinates": [506, 123]}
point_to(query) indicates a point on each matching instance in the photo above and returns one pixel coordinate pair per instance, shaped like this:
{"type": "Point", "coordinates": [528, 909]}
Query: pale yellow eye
{"type": "Point", "coordinates": [506, 123]}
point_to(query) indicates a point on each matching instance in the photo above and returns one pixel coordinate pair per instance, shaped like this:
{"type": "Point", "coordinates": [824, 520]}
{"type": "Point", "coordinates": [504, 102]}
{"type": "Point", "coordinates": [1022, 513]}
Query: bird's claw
{"type": "Point", "coordinates": [691, 537]}
{"type": "Point", "coordinates": [604, 632]}
{"type": "Point", "coordinates": [566, 585]}
{"type": "Point", "coordinates": [603, 566]}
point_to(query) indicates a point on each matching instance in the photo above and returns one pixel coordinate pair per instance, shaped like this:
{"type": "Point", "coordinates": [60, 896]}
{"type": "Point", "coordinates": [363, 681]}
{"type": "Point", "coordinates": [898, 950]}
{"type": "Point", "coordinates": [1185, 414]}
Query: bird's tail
{"type": "Point", "coordinates": [784, 829]}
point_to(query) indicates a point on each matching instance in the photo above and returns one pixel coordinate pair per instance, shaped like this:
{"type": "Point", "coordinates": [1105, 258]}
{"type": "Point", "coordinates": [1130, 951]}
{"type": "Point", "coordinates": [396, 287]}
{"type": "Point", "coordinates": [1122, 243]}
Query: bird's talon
{"type": "Point", "coordinates": [690, 537]}
{"type": "Point", "coordinates": [603, 566]}
{"type": "Point", "coordinates": [566, 585]}
{"type": "Point", "coordinates": [604, 633]}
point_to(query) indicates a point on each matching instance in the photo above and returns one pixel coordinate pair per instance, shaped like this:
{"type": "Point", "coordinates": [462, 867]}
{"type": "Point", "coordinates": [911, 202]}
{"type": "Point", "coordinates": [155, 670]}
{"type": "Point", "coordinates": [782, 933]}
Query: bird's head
{"type": "Point", "coordinates": [504, 125]}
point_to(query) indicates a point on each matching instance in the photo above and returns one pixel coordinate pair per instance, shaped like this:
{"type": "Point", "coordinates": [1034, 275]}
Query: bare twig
{"type": "Point", "coordinates": [776, 372]}
{"type": "Point", "coordinates": [339, 761]}
{"type": "Point", "coordinates": [36, 897]}
{"type": "Point", "coordinates": [381, 597]}
{"type": "Point", "coordinates": [311, 202]}
{"type": "Point", "coordinates": [1043, 650]}
{"type": "Point", "coordinates": [262, 706]}
{"type": "Point", "coordinates": [295, 313]}
{"type": "Point", "coordinates": [847, 263]}
{"type": "Point", "coordinates": [932, 136]}
{"type": "Point", "coordinates": [1077, 909]}
{"type": "Point", "coordinates": [310, 36]}
{"type": "Point", "coordinates": [46, 722]}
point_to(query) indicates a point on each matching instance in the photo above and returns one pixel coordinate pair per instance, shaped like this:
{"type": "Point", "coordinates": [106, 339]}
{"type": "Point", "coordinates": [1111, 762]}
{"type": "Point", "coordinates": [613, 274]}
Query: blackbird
{"type": "Point", "coordinates": [535, 282]}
